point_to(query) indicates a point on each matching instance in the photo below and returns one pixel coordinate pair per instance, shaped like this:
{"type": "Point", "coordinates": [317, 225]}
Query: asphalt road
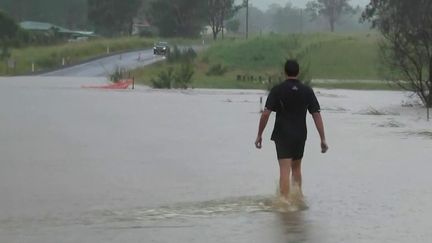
{"type": "Point", "coordinates": [105, 66]}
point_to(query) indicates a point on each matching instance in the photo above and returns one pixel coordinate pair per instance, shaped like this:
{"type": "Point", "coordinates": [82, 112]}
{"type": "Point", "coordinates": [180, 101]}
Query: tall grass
{"type": "Point", "coordinates": [349, 57]}
{"type": "Point", "coordinates": [255, 54]}
{"type": "Point", "coordinates": [341, 56]}
{"type": "Point", "coordinates": [325, 55]}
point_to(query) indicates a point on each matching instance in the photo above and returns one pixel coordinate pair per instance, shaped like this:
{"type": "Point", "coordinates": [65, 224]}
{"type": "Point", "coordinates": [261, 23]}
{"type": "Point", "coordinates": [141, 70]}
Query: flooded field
{"type": "Point", "coordinates": [87, 165]}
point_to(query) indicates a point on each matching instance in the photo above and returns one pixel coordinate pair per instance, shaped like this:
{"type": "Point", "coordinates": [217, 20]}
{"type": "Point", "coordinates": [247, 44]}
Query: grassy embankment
{"type": "Point", "coordinates": [50, 57]}
{"type": "Point", "coordinates": [347, 61]}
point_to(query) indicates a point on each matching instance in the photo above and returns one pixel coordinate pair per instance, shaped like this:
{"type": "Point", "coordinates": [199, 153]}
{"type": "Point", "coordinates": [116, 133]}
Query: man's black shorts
{"type": "Point", "coordinates": [290, 149]}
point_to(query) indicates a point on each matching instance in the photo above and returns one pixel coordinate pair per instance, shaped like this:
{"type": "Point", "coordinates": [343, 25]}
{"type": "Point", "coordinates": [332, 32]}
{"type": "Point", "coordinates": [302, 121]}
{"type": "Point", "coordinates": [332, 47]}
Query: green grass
{"type": "Point", "coordinates": [331, 56]}
{"type": "Point", "coordinates": [341, 57]}
{"type": "Point", "coordinates": [351, 57]}
{"type": "Point", "coordinates": [50, 57]}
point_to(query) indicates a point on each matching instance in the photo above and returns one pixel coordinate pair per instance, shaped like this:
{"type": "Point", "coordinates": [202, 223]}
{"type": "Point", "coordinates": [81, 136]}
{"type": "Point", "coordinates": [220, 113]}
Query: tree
{"type": "Point", "coordinates": [287, 19]}
{"type": "Point", "coordinates": [233, 25]}
{"type": "Point", "coordinates": [215, 11]}
{"type": "Point", "coordinates": [178, 17]}
{"type": "Point", "coordinates": [257, 22]}
{"type": "Point", "coordinates": [330, 9]}
{"type": "Point", "coordinates": [8, 32]}
{"type": "Point", "coordinates": [71, 13]}
{"type": "Point", "coordinates": [407, 47]}
{"type": "Point", "coordinates": [218, 12]}
{"type": "Point", "coordinates": [76, 14]}
{"type": "Point", "coordinates": [113, 17]}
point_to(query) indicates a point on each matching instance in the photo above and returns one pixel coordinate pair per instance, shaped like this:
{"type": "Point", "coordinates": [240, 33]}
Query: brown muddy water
{"type": "Point", "coordinates": [80, 165]}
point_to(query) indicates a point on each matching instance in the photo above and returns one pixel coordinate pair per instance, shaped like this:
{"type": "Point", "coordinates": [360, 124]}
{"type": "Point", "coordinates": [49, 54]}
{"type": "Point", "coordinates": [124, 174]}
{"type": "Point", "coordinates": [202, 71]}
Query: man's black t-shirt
{"type": "Point", "coordinates": [291, 100]}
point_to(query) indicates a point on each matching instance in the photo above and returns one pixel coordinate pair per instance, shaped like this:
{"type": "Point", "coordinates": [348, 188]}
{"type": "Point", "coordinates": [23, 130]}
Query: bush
{"type": "Point", "coordinates": [118, 74]}
{"type": "Point", "coordinates": [216, 70]}
{"type": "Point", "coordinates": [205, 59]}
{"type": "Point", "coordinates": [179, 78]}
{"type": "Point", "coordinates": [183, 76]}
{"type": "Point", "coordinates": [164, 80]}
{"type": "Point", "coordinates": [190, 54]}
{"type": "Point", "coordinates": [4, 52]}
{"type": "Point", "coordinates": [178, 55]}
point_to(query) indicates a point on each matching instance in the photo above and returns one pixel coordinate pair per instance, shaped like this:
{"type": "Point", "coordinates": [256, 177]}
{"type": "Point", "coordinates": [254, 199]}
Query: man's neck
{"type": "Point", "coordinates": [291, 77]}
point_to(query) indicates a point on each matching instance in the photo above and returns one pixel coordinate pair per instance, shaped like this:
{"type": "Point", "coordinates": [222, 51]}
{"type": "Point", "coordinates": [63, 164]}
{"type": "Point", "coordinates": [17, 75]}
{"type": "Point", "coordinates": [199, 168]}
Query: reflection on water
{"type": "Point", "coordinates": [294, 227]}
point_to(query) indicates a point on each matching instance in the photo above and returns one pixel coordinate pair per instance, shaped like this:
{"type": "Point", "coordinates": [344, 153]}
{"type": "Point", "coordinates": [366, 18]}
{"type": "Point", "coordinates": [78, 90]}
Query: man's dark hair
{"type": "Point", "coordinates": [292, 68]}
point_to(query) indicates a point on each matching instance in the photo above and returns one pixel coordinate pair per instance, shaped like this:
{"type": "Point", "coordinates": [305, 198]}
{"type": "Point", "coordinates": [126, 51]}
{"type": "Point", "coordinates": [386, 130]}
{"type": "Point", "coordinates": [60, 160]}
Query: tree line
{"type": "Point", "coordinates": [69, 13]}
{"type": "Point", "coordinates": [184, 17]}
{"type": "Point", "coordinates": [316, 17]}
{"type": "Point", "coordinates": [113, 17]}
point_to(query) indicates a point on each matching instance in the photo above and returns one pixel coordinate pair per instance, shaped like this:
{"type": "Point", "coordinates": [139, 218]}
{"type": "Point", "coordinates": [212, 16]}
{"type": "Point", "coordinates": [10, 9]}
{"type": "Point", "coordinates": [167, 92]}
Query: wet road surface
{"type": "Point", "coordinates": [105, 66]}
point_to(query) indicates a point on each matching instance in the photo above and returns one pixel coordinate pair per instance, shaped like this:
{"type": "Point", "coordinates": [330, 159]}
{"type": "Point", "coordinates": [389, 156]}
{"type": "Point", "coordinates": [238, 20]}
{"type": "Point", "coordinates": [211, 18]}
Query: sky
{"type": "Point", "coordinates": [263, 4]}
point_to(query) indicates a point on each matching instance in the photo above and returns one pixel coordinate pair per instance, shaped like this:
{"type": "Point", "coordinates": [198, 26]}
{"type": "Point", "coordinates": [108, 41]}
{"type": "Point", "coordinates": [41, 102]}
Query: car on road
{"type": "Point", "coordinates": [161, 48]}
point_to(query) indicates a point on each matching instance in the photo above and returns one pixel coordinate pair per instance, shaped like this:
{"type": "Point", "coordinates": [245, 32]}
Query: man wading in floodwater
{"type": "Point", "coordinates": [291, 100]}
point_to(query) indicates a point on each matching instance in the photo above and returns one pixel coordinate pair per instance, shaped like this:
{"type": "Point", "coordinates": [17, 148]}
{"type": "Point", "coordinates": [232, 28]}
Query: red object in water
{"type": "Point", "coordinates": [122, 84]}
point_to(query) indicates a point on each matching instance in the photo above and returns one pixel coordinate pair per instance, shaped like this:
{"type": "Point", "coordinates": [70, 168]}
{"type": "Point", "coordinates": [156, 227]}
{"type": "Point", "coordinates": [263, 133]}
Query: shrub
{"type": "Point", "coordinates": [190, 54]}
{"type": "Point", "coordinates": [179, 78]}
{"type": "Point", "coordinates": [183, 76]}
{"type": "Point", "coordinates": [4, 52]}
{"type": "Point", "coordinates": [205, 59]}
{"type": "Point", "coordinates": [164, 80]}
{"type": "Point", "coordinates": [178, 55]}
{"type": "Point", "coordinates": [216, 70]}
{"type": "Point", "coordinates": [117, 75]}
{"type": "Point", "coordinates": [174, 54]}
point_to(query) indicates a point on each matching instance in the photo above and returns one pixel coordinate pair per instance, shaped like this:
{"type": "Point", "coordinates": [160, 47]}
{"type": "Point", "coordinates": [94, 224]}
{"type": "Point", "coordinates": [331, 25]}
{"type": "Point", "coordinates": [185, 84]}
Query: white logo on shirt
{"type": "Point", "coordinates": [295, 88]}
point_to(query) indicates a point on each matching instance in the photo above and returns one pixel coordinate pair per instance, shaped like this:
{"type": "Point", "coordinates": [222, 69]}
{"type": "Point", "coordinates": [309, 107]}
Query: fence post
{"type": "Point", "coordinates": [428, 113]}
{"type": "Point", "coordinates": [133, 82]}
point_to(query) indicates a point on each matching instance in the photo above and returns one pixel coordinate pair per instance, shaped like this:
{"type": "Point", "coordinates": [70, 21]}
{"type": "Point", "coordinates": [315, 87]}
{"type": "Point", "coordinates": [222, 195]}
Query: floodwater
{"type": "Point", "coordinates": [87, 165]}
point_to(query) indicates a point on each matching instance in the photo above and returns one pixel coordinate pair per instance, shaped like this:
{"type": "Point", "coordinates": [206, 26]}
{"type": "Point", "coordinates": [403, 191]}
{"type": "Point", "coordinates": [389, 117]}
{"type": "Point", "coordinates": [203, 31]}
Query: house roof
{"type": "Point", "coordinates": [41, 26]}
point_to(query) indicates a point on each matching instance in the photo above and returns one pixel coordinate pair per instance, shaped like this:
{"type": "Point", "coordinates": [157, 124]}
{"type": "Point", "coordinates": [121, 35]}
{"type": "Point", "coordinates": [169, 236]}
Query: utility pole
{"type": "Point", "coordinates": [223, 19]}
{"type": "Point", "coordinates": [247, 19]}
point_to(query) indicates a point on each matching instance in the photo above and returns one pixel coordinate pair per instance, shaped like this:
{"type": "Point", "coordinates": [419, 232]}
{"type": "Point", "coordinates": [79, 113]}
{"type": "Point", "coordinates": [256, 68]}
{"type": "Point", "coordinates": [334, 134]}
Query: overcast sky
{"type": "Point", "coordinates": [263, 4]}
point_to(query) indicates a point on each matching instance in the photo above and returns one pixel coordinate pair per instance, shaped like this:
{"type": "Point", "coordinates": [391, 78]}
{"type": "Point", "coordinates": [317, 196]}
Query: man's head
{"type": "Point", "coordinates": [292, 68]}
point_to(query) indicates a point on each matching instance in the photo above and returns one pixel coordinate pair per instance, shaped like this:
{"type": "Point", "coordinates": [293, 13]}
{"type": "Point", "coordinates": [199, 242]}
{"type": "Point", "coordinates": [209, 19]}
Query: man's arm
{"type": "Point", "coordinates": [320, 127]}
{"type": "Point", "coordinates": [262, 124]}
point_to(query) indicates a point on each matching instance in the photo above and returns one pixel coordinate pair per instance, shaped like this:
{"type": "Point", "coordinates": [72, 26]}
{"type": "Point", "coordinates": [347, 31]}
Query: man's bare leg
{"type": "Point", "coordinates": [284, 180]}
{"type": "Point", "coordinates": [297, 175]}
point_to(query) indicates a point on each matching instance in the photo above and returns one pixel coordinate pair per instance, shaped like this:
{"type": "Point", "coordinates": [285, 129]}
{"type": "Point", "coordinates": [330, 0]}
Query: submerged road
{"type": "Point", "coordinates": [105, 66]}
{"type": "Point", "coordinates": [91, 165]}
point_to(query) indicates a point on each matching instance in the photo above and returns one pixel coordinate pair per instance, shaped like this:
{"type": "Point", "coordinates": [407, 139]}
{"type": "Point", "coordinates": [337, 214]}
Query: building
{"type": "Point", "coordinates": [41, 27]}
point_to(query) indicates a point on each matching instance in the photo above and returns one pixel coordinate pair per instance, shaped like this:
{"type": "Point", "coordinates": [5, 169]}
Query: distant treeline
{"type": "Point", "coordinates": [68, 13]}
{"type": "Point", "coordinates": [291, 19]}
{"type": "Point", "coordinates": [175, 17]}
